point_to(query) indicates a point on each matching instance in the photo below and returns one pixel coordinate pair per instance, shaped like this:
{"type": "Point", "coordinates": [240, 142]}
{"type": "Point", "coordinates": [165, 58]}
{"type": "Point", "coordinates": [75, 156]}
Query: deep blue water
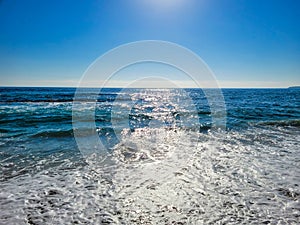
{"type": "Point", "coordinates": [36, 135]}
{"type": "Point", "coordinates": [30, 116]}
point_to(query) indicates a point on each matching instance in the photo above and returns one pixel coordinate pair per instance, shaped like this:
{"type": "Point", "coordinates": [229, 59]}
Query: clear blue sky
{"type": "Point", "coordinates": [253, 43]}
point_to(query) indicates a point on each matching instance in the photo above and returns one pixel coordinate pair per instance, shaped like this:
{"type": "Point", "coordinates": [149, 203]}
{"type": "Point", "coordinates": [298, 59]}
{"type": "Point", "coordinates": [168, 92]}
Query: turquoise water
{"type": "Point", "coordinates": [165, 163]}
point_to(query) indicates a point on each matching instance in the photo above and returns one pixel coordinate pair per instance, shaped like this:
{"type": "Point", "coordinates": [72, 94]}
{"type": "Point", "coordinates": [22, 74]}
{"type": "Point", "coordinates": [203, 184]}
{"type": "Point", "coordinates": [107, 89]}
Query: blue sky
{"type": "Point", "coordinates": [246, 43]}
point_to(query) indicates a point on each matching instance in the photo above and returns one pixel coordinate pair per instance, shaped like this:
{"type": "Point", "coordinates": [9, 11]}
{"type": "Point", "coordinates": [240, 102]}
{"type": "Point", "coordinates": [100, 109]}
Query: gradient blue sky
{"type": "Point", "coordinates": [250, 43]}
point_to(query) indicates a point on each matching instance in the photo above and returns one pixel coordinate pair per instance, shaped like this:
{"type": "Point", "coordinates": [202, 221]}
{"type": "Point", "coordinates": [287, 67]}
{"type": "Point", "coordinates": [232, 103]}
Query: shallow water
{"type": "Point", "coordinates": [162, 165]}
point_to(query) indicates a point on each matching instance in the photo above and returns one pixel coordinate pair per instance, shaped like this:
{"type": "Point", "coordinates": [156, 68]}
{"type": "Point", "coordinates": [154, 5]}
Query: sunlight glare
{"type": "Point", "coordinates": [164, 5]}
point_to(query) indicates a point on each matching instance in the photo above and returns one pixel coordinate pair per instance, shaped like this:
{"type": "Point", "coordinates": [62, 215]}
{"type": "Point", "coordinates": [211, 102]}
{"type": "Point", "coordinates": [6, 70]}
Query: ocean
{"type": "Point", "coordinates": [159, 158]}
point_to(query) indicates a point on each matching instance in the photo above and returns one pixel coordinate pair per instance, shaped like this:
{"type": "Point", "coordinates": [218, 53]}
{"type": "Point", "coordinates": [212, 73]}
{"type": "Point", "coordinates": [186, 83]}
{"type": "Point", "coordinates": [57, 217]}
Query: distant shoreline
{"type": "Point", "coordinates": [294, 87]}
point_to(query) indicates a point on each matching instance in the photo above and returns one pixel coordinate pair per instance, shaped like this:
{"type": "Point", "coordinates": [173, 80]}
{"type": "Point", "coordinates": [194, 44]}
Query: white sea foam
{"type": "Point", "coordinates": [161, 176]}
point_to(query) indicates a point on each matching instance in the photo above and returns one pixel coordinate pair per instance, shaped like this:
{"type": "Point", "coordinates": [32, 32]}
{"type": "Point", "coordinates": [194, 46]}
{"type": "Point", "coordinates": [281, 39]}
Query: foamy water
{"type": "Point", "coordinates": [220, 177]}
{"type": "Point", "coordinates": [159, 171]}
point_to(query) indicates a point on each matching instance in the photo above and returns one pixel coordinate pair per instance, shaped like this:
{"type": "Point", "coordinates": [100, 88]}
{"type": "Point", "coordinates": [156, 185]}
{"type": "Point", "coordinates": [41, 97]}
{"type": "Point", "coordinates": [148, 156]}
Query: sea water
{"type": "Point", "coordinates": [165, 161]}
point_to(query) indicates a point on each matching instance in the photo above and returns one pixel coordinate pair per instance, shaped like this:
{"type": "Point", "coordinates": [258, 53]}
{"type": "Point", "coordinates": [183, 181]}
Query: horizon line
{"type": "Point", "coordinates": [15, 86]}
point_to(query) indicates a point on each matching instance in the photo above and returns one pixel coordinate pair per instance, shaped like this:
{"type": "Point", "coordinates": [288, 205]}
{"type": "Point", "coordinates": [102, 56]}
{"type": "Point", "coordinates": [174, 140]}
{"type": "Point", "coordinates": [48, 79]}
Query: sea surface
{"type": "Point", "coordinates": [160, 158]}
